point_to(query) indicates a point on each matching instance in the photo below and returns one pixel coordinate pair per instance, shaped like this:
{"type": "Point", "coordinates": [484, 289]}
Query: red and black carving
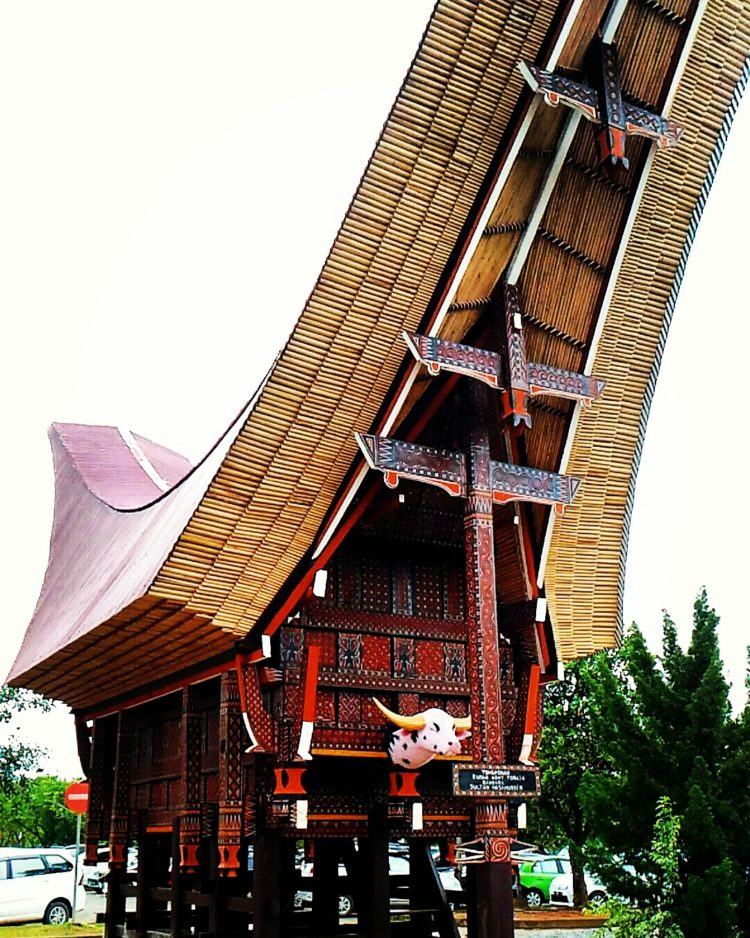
{"type": "Point", "coordinates": [118, 833]}
{"type": "Point", "coordinates": [190, 815]}
{"type": "Point", "coordinates": [350, 652]}
{"type": "Point", "coordinates": [400, 460]}
{"type": "Point", "coordinates": [439, 354]}
{"type": "Point", "coordinates": [616, 119]}
{"type": "Point", "coordinates": [230, 776]}
{"type": "Point", "coordinates": [404, 657]}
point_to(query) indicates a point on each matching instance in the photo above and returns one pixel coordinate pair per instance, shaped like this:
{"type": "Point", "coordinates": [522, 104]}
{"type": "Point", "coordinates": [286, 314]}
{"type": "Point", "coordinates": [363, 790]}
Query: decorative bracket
{"type": "Point", "coordinates": [447, 470]}
{"type": "Point", "coordinates": [522, 378]}
{"type": "Point", "coordinates": [616, 118]}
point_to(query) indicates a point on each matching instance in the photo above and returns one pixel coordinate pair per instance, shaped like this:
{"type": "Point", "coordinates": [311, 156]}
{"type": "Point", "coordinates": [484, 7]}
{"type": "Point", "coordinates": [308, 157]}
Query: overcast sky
{"type": "Point", "coordinates": [173, 175]}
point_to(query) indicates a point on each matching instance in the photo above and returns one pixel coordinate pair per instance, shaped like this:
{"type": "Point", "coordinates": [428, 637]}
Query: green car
{"type": "Point", "coordinates": [535, 876]}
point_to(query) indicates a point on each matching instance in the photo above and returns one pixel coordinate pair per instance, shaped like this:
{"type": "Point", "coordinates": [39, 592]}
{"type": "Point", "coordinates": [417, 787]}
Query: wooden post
{"type": "Point", "coordinates": [492, 887]}
{"type": "Point", "coordinates": [118, 833]}
{"type": "Point", "coordinates": [325, 913]}
{"type": "Point", "coordinates": [267, 884]}
{"type": "Point", "coordinates": [190, 786]}
{"type": "Point", "coordinates": [177, 909]}
{"type": "Point", "coordinates": [374, 911]}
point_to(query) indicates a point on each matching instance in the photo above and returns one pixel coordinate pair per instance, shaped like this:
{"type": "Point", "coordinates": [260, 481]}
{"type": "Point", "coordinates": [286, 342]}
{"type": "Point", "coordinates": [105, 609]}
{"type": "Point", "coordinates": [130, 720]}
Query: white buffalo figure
{"type": "Point", "coordinates": [425, 735]}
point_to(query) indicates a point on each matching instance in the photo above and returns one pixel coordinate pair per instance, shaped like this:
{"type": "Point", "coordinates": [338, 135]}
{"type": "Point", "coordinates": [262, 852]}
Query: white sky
{"type": "Point", "coordinates": [172, 177]}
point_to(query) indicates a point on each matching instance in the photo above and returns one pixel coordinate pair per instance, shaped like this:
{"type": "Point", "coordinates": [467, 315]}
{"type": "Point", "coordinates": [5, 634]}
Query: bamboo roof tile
{"type": "Point", "coordinates": [193, 569]}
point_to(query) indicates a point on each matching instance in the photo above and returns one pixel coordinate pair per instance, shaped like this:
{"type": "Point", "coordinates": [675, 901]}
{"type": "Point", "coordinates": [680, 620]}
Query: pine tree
{"type": "Point", "coordinates": [666, 724]}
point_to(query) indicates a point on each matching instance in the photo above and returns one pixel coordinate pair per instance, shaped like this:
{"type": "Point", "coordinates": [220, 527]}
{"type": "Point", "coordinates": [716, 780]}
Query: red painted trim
{"type": "Point", "coordinates": [532, 699]}
{"type": "Point", "coordinates": [240, 662]}
{"type": "Point", "coordinates": [544, 647]}
{"type": "Point", "coordinates": [311, 684]}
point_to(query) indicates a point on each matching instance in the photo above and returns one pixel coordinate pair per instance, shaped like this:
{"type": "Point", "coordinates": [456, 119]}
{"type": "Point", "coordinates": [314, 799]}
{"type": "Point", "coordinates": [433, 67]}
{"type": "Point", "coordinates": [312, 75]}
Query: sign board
{"type": "Point", "coordinates": [496, 781]}
{"type": "Point", "coordinates": [77, 797]}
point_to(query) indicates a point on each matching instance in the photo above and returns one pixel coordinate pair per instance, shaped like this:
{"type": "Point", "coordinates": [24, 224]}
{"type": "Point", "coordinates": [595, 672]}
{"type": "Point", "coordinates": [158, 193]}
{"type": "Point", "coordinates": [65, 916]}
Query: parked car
{"type": "Point", "coordinates": [95, 877]}
{"type": "Point", "coordinates": [36, 884]}
{"type": "Point", "coordinates": [561, 889]}
{"type": "Point", "coordinates": [549, 879]}
{"type": "Point", "coordinates": [398, 866]}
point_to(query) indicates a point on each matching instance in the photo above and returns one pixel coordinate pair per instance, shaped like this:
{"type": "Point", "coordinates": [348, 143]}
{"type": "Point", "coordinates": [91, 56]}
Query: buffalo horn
{"type": "Point", "coordinates": [417, 722]}
{"type": "Point", "coordinates": [463, 723]}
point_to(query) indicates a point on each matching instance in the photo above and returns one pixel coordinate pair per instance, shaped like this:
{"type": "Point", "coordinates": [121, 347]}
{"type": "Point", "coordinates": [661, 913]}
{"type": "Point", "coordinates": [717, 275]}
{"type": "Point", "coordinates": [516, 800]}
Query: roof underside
{"type": "Point", "coordinates": [464, 118]}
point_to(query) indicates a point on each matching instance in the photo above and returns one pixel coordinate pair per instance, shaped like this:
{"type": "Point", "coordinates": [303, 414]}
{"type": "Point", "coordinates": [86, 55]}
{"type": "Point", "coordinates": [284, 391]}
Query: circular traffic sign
{"type": "Point", "coordinates": [77, 797]}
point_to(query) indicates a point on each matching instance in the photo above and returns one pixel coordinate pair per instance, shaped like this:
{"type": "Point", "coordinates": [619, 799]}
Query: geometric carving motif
{"type": "Point", "coordinates": [350, 652]}
{"type": "Point", "coordinates": [291, 648]}
{"type": "Point", "coordinates": [350, 709]}
{"type": "Point", "coordinates": [404, 657]}
{"type": "Point", "coordinates": [429, 659]}
{"type": "Point", "coordinates": [454, 662]}
{"type": "Point", "coordinates": [616, 118]}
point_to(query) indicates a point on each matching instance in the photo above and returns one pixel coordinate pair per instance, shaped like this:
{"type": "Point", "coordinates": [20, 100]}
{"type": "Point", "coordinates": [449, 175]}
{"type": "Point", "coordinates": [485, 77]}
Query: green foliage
{"type": "Point", "coordinates": [17, 757]}
{"type": "Point", "coordinates": [656, 727]}
{"type": "Point", "coordinates": [666, 723]}
{"type": "Point", "coordinates": [32, 808]}
{"type": "Point", "coordinates": [656, 921]}
{"type": "Point", "coordinates": [33, 813]}
{"type": "Point", "coordinates": [569, 754]}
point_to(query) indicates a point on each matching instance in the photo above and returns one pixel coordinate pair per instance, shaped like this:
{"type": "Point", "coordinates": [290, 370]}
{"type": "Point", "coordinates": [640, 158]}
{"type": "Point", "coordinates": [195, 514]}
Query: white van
{"type": "Point", "coordinates": [36, 884]}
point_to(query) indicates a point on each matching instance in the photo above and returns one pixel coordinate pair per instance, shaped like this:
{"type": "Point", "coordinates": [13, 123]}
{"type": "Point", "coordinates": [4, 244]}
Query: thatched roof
{"type": "Point", "coordinates": [440, 211]}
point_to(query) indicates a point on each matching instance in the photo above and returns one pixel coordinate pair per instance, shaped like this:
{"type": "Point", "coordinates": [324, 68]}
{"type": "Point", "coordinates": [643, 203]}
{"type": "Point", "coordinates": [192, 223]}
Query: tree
{"type": "Point", "coordinates": [32, 808]}
{"type": "Point", "coordinates": [16, 757]}
{"type": "Point", "coordinates": [666, 725]}
{"type": "Point", "coordinates": [630, 921]}
{"type": "Point", "coordinates": [569, 754]}
{"type": "Point", "coordinates": [33, 813]}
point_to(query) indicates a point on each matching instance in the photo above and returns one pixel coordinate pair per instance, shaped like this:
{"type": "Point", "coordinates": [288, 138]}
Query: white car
{"type": "Point", "coordinates": [398, 865]}
{"type": "Point", "coordinates": [561, 889]}
{"type": "Point", "coordinates": [37, 884]}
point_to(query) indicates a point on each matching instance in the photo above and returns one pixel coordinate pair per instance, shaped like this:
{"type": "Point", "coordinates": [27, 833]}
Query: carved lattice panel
{"type": "Point", "coordinates": [454, 661]}
{"type": "Point", "coordinates": [456, 708]}
{"type": "Point", "coordinates": [349, 651]}
{"type": "Point", "coordinates": [350, 709]}
{"type": "Point", "coordinates": [408, 704]}
{"type": "Point", "coordinates": [291, 648]}
{"type": "Point", "coordinates": [427, 591]}
{"type": "Point", "coordinates": [376, 584]}
{"type": "Point", "coordinates": [429, 658]}
{"type": "Point", "coordinates": [376, 653]}
{"type": "Point", "coordinates": [404, 657]}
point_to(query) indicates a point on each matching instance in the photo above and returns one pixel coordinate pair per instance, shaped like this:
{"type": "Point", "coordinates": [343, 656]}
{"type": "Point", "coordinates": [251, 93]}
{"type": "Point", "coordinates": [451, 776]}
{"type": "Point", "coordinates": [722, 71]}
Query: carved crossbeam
{"type": "Point", "coordinates": [522, 378]}
{"type": "Point", "coordinates": [399, 460]}
{"type": "Point", "coordinates": [604, 106]}
{"type": "Point", "coordinates": [447, 470]}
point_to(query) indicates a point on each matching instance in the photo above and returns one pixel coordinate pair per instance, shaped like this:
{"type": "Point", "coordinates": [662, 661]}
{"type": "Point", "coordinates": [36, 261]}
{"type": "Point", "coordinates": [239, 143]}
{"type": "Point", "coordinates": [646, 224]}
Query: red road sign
{"type": "Point", "coordinates": [77, 797]}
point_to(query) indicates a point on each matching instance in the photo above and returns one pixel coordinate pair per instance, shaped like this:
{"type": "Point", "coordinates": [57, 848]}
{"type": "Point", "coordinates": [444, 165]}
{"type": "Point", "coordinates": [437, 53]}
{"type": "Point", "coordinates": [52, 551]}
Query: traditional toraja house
{"type": "Point", "coordinates": [238, 639]}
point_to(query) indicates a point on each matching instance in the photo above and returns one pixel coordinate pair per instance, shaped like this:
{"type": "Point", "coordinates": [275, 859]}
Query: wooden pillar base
{"type": "Point", "coordinates": [490, 900]}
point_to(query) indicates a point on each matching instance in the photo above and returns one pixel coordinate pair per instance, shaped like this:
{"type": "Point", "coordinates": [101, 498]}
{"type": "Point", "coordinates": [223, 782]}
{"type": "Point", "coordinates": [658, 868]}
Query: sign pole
{"type": "Point", "coordinates": [75, 867]}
